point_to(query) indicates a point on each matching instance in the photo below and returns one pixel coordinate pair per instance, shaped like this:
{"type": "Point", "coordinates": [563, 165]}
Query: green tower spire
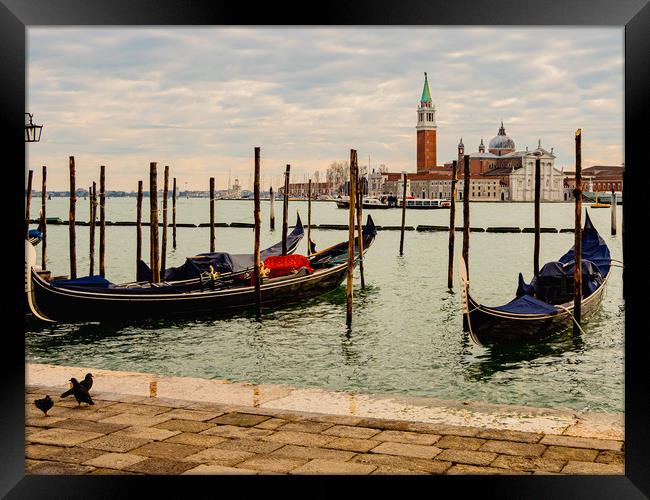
{"type": "Point", "coordinates": [426, 95]}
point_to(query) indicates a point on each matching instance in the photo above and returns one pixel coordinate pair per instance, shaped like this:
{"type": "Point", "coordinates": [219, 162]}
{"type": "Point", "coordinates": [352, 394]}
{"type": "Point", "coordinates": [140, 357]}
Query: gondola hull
{"type": "Point", "coordinates": [66, 305]}
{"type": "Point", "coordinates": [489, 326]}
{"type": "Point", "coordinates": [528, 318]}
{"type": "Point", "coordinates": [218, 296]}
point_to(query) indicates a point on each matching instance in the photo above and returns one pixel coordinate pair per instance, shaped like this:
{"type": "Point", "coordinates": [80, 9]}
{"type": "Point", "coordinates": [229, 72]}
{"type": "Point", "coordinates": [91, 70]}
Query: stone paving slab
{"type": "Point", "coordinates": [160, 449]}
{"type": "Point", "coordinates": [52, 468]}
{"type": "Point", "coordinates": [219, 456]}
{"type": "Point", "coordinates": [141, 433]}
{"type": "Point", "coordinates": [62, 437]}
{"type": "Point", "coordinates": [193, 426]}
{"type": "Point", "coordinates": [400, 462]}
{"type": "Point", "coordinates": [272, 463]}
{"type": "Point", "coordinates": [407, 450]}
{"type": "Point", "coordinates": [75, 455]}
{"type": "Point", "coordinates": [351, 432]}
{"type": "Point", "coordinates": [114, 460]}
{"type": "Point", "coordinates": [581, 442]}
{"type": "Point", "coordinates": [593, 468]}
{"type": "Point", "coordinates": [196, 439]}
{"type": "Point", "coordinates": [148, 433]}
{"type": "Point", "coordinates": [111, 442]}
{"type": "Point", "coordinates": [408, 437]}
{"type": "Point", "coordinates": [88, 425]}
{"type": "Point", "coordinates": [249, 445]}
{"type": "Point", "coordinates": [161, 466]}
{"type": "Point", "coordinates": [214, 469]}
{"type": "Point", "coordinates": [321, 466]}
{"type": "Point", "coordinates": [564, 453]}
{"type": "Point", "coordinates": [310, 452]}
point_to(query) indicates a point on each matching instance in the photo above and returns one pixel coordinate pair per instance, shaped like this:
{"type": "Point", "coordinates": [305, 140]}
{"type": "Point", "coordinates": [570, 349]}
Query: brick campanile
{"type": "Point", "coordinates": [426, 131]}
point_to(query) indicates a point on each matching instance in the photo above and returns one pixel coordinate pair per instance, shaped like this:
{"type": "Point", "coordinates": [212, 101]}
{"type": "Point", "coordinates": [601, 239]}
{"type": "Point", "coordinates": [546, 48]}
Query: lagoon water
{"type": "Point", "coordinates": [407, 333]}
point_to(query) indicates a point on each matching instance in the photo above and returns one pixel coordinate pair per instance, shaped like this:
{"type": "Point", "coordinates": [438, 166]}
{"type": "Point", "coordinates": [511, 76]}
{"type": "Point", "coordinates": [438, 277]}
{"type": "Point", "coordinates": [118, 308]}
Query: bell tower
{"type": "Point", "coordinates": [426, 131]}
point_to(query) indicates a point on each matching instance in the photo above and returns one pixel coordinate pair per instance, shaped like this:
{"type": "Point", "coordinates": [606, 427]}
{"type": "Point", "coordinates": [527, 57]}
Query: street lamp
{"type": "Point", "coordinates": [32, 132]}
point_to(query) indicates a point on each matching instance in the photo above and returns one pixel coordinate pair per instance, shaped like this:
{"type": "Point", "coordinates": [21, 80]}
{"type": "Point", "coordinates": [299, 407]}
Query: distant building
{"type": "Point", "coordinates": [598, 178]}
{"type": "Point", "coordinates": [300, 189]}
{"type": "Point", "coordinates": [514, 170]}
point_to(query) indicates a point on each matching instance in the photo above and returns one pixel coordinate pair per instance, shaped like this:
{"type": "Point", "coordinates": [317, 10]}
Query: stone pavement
{"type": "Point", "coordinates": [148, 434]}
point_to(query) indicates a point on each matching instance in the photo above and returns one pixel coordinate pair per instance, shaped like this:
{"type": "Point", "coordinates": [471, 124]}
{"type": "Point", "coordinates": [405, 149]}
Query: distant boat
{"type": "Point", "coordinates": [600, 205]}
{"type": "Point", "coordinates": [420, 204]}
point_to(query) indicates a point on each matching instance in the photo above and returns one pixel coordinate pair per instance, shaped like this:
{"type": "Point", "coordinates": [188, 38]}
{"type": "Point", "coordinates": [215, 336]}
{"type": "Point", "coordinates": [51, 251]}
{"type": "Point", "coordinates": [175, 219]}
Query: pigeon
{"type": "Point", "coordinates": [44, 404]}
{"type": "Point", "coordinates": [86, 382]}
{"type": "Point", "coordinates": [80, 393]}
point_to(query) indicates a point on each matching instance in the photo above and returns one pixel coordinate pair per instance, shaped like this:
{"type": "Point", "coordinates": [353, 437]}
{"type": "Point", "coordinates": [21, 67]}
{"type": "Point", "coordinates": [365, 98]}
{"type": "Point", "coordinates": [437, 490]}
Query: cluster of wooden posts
{"type": "Point", "coordinates": [158, 252]}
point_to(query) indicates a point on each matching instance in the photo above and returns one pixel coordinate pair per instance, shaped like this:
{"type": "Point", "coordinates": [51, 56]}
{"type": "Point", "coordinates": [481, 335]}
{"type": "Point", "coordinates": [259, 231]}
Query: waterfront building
{"type": "Point", "coordinates": [598, 178]}
{"type": "Point", "coordinates": [514, 170]}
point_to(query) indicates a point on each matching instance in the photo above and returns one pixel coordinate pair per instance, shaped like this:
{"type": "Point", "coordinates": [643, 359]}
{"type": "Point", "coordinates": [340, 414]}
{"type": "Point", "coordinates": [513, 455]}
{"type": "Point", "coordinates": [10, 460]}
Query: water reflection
{"type": "Point", "coordinates": [497, 358]}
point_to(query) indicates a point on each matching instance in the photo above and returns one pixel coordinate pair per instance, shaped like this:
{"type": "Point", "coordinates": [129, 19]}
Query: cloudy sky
{"type": "Point", "coordinates": [200, 99]}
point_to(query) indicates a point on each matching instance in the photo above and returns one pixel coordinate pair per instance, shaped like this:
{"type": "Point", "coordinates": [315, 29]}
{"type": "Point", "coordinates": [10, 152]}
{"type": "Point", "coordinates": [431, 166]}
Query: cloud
{"type": "Point", "coordinates": [200, 99]}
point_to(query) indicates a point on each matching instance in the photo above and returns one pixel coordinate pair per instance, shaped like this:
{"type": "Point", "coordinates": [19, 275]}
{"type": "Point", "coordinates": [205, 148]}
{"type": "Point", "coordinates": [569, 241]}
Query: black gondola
{"type": "Point", "coordinates": [545, 306]}
{"type": "Point", "coordinates": [106, 301]}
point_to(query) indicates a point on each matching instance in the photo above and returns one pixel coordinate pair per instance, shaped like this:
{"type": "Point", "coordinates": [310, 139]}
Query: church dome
{"type": "Point", "coordinates": [501, 141]}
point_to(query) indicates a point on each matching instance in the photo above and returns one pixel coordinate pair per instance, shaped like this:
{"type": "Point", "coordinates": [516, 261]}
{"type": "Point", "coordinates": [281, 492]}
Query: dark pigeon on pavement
{"type": "Point", "coordinates": [80, 392]}
{"type": "Point", "coordinates": [87, 382]}
{"type": "Point", "coordinates": [44, 404]}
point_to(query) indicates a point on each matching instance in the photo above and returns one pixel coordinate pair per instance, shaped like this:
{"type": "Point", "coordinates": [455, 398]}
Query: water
{"type": "Point", "coordinates": [407, 329]}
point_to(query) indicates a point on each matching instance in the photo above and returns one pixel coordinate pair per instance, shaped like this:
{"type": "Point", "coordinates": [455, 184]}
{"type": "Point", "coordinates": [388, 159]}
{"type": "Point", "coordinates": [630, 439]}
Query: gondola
{"type": "Point", "coordinates": [323, 271]}
{"type": "Point", "coordinates": [545, 306]}
{"type": "Point", "coordinates": [224, 263]}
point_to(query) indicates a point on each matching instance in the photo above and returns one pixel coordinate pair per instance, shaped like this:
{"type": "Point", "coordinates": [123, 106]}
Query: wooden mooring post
{"type": "Point", "coordinates": [466, 183]}
{"type": "Point", "coordinates": [452, 222]}
{"type": "Point", "coordinates": [91, 229]}
{"type": "Point", "coordinates": [28, 202]}
{"type": "Point", "coordinates": [163, 249]}
{"type": "Point", "coordinates": [138, 240]}
{"type": "Point", "coordinates": [44, 219]}
{"type": "Point", "coordinates": [613, 207]}
{"type": "Point", "coordinates": [174, 216]}
{"type": "Point", "coordinates": [359, 202]}
{"type": "Point", "coordinates": [401, 238]}
{"type": "Point", "coordinates": [352, 196]}
{"type": "Point", "coordinates": [285, 210]}
{"type": "Point", "coordinates": [538, 182]}
{"type": "Point", "coordinates": [153, 223]}
{"type": "Point", "coordinates": [71, 221]}
{"type": "Point", "coordinates": [102, 221]}
{"type": "Point", "coordinates": [256, 214]}
{"type": "Point", "coordinates": [212, 214]}
{"type": "Point", "coordinates": [577, 250]}
{"type": "Point", "coordinates": [272, 208]}
{"type": "Point", "coordinates": [309, 218]}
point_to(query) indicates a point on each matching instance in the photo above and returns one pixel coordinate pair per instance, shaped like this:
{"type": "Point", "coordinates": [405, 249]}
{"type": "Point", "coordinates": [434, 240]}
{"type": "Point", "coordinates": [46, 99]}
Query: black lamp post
{"type": "Point", "coordinates": [32, 132]}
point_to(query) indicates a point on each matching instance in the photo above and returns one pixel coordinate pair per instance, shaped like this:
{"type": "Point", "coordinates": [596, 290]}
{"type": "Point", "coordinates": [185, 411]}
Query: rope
{"type": "Point", "coordinates": [574, 320]}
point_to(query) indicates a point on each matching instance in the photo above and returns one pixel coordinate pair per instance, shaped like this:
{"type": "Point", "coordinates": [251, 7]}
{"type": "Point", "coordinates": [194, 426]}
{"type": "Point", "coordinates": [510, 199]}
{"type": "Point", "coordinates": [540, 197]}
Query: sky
{"type": "Point", "coordinates": [199, 99]}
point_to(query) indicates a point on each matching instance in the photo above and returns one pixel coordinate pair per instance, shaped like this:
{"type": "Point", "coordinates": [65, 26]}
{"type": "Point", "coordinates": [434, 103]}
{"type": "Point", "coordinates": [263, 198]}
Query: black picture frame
{"type": "Point", "coordinates": [634, 15]}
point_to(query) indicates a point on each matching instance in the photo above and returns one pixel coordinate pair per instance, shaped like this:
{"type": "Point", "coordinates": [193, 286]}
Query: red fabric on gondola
{"type": "Point", "coordinates": [275, 266]}
{"type": "Point", "coordinates": [281, 265]}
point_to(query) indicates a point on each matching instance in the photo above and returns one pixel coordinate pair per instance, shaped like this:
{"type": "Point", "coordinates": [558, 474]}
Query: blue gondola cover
{"type": "Point", "coordinates": [527, 305]}
{"type": "Point", "coordinates": [94, 281]}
